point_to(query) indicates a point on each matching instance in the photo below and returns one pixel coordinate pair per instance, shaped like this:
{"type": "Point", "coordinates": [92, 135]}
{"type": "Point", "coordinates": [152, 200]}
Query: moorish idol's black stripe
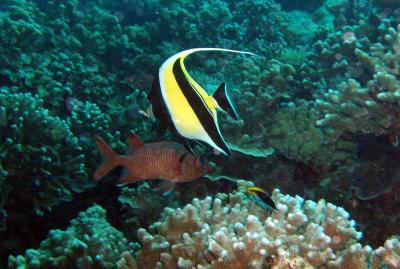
{"type": "Point", "coordinates": [199, 107]}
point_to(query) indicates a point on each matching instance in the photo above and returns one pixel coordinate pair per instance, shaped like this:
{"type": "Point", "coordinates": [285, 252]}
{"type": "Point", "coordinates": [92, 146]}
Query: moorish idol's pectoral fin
{"type": "Point", "coordinates": [189, 146]}
{"type": "Point", "coordinates": [134, 142]}
{"type": "Point", "coordinates": [224, 101]}
{"type": "Point", "coordinates": [165, 186]}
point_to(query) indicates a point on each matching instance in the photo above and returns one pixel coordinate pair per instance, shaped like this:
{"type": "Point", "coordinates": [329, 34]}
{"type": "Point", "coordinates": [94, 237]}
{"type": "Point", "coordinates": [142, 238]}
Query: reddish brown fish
{"type": "Point", "coordinates": [161, 160]}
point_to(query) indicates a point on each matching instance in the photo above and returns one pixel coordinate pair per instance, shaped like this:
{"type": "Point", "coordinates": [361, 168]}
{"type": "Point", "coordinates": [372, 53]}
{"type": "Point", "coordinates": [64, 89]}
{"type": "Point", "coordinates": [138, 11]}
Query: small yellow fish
{"type": "Point", "coordinates": [261, 195]}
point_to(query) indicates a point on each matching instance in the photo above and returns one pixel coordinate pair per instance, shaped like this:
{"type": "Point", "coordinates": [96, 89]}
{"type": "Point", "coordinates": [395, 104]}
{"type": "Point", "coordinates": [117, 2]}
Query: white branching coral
{"type": "Point", "coordinates": [230, 231]}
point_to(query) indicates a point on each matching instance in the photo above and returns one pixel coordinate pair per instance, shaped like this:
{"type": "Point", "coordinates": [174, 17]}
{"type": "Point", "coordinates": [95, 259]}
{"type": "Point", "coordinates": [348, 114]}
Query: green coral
{"type": "Point", "coordinates": [372, 108]}
{"type": "Point", "coordinates": [141, 206]}
{"type": "Point", "coordinates": [295, 135]}
{"type": "Point", "coordinates": [257, 100]}
{"type": "Point", "coordinates": [86, 59]}
{"type": "Point", "coordinates": [39, 155]}
{"type": "Point", "coordinates": [333, 58]}
{"type": "Point", "coordinates": [89, 242]}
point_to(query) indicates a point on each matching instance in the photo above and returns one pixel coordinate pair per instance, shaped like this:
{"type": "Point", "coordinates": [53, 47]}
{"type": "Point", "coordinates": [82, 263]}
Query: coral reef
{"type": "Point", "coordinates": [225, 231]}
{"type": "Point", "coordinates": [257, 100]}
{"type": "Point", "coordinates": [140, 206]}
{"type": "Point", "coordinates": [371, 109]}
{"type": "Point", "coordinates": [372, 198]}
{"type": "Point", "coordinates": [71, 69]}
{"type": "Point", "coordinates": [92, 53]}
{"type": "Point", "coordinates": [246, 25]}
{"type": "Point", "coordinates": [295, 135]}
{"type": "Point", "coordinates": [42, 163]}
{"type": "Point", "coordinates": [89, 242]}
{"type": "Point", "coordinates": [229, 231]}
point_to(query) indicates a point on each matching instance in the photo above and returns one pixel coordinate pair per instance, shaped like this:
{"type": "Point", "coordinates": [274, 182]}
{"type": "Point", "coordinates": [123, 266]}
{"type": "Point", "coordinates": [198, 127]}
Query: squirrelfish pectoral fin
{"type": "Point", "coordinates": [224, 101]}
{"type": "Point", "coordinates": [127, 177]}
{"type": "Point", "coordinates": [134, 142]}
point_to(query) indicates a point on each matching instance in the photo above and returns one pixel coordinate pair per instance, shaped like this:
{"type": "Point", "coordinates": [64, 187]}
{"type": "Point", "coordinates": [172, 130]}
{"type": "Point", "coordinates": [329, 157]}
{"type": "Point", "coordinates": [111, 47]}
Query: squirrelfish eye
{"type": "Point", "coordinates": [202, 161]}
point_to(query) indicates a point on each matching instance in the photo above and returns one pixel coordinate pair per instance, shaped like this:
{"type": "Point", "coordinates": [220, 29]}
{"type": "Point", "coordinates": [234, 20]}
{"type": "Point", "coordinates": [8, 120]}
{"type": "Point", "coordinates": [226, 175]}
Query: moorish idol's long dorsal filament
{"type": "Point", "coordinates": [191, 110]}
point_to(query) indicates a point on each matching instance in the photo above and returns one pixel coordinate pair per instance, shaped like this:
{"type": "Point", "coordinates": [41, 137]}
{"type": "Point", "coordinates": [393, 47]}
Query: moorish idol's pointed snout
{"type": "Point", "coordinates": [190, 109]}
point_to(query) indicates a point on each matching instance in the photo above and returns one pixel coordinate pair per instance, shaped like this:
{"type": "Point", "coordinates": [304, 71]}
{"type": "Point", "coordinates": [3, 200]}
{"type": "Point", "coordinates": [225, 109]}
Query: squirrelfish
{"type": "Point", "coordinates": [180, 101]}
{"type": "Point", "coordinates": [262, 196]}
{"type": "Point", "coordinates": [165, 160]}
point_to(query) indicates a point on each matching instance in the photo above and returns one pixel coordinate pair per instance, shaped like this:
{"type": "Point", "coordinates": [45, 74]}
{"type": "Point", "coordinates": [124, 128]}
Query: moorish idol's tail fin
{"type": "Point", "coordinates": [224, 101]}
{"type": "Point", "coordinates": [111, 159]}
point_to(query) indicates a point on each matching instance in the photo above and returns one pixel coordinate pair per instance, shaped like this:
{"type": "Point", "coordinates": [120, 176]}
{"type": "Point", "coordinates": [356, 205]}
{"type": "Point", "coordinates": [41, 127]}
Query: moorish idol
{"type": "Point", "coordinates": [183, 104]}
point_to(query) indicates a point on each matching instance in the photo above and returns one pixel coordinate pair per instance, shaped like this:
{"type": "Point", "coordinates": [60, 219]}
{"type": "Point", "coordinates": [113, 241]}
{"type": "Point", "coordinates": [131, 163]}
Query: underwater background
{"type": "Point", "coordinates": [319, 129]}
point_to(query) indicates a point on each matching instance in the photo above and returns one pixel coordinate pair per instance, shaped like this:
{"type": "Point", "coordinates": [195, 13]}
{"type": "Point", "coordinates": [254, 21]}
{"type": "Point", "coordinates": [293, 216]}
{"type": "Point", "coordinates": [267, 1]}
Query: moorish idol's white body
{"type": "Point", "coordinates": [190, 109]}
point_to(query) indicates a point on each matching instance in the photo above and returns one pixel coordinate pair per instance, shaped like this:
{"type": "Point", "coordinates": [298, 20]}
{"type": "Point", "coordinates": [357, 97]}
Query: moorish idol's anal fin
{"type": "Point", "coordinates": [224, 101]}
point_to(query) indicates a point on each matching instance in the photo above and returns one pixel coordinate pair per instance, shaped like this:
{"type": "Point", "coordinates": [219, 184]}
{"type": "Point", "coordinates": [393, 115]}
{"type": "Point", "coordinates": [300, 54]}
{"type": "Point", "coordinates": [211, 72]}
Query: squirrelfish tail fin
{"type": "Point", "coordinates": [111, 159]}
{"type": "Point", "coordinates": [224, 100]}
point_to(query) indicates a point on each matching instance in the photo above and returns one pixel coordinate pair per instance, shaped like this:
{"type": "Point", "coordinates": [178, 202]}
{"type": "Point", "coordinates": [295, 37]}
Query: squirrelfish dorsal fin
{"type": "Point", "coordinates": [134, 142]}
{"type": "Point", "coordinates": [224, 101]}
